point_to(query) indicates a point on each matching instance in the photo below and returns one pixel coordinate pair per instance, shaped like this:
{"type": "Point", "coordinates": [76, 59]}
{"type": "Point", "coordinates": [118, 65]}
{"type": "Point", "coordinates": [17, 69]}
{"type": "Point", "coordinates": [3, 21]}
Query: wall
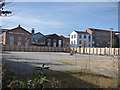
{"type": "Point", "coordinates": [17, 30]}
{"type": "Point", "coordinates": [73, 39]}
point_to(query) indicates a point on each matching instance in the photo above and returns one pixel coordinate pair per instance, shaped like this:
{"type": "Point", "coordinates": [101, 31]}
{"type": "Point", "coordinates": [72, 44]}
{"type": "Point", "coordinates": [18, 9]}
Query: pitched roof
{"type": "Point", "coordinates": [52, 35]}
{"type": "Point", "coordinates": [38, 33]}
{"type": "Point", "coordinates": [93, 29]}
{"type": "Point", "coordinates": [81, 32]}
{"type": "Point", "coordinates": [63, 37]}
{"type": "Point", "coordinates": [6, 30]}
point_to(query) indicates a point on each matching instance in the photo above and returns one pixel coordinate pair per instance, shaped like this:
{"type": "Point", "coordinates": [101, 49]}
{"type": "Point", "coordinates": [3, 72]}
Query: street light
{"type": "Point", "coordinates": [111, 36]}
{"type": "Point", "coordinates": [111, 39]}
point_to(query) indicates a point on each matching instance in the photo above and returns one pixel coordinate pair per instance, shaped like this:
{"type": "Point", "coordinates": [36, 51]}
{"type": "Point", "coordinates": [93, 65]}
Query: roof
{"type": "Point", "coordinates": [51, 35]}
{"type": "Point", "coordinates": [6, 30]}
{"type": "Point", "coordinates": [38, 33]}
{"type": "Point", "coordinates": [116, 31]}
{"type": "Point", "coordinates": [63, 37]}
{"type": "Point", "coordinates": [81, 32]}
{"type": "Point", "coordinates": [93, 29]}
{"type": "Point", "coordinates": [38, 36]}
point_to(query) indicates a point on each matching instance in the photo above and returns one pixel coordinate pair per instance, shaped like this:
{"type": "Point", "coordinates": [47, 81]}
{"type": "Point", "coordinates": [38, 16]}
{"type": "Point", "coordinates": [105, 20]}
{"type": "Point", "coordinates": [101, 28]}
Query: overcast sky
{"type": "Point", "coordinates": [63, 17]}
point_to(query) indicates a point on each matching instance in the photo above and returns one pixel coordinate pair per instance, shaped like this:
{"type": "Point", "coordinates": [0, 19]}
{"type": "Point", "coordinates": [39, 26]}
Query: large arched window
{"type": "Point", "coordinates": [26, 41]}
{"type": "Point", "coordinates": [11, 40]}
{"type": "Point", "coordinates": [19, 41]}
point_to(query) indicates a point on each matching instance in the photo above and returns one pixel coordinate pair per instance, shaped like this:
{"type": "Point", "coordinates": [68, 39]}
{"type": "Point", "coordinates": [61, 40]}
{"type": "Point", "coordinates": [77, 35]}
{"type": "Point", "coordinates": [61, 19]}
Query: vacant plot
{"type": "Point", "coordinates": [80, 79]}
{"type": "Point", "coordinates": [100, 64]}
{"type": "Point", "coordinates": [64, 79]}
{"type": "Point", "coordinates": [24, 62]}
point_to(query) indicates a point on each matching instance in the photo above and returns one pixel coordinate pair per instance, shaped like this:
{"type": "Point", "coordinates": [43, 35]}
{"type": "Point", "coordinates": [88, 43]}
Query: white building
{"type": "Point", "coordinates": [80, 39]}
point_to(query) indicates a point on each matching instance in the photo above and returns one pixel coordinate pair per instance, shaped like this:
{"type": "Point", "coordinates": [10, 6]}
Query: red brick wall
{"type": "Point", "coordinates": [17, 30]}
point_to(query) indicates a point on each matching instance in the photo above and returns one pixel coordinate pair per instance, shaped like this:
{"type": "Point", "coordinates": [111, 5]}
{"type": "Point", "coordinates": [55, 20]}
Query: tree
{"type": "Point", "coordinates": [84, 43]}
{"type": "Point", "coordinates": [115, 42]}
{"type": "Point", "coordinates": [2, 11]}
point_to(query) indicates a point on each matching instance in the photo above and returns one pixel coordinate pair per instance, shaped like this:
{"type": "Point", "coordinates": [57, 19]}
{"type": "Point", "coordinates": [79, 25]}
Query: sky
{"type": "Point", "coordinates": [62, 17]}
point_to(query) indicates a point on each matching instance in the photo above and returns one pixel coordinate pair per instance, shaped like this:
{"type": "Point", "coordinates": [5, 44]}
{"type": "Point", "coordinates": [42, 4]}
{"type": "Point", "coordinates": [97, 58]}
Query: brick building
{"type": "Point", "coordinates": [17, 36]}
{"type": "Point", "coordinates": [66, 41]}
{"type": "Point", "coordinates": [100, 38]}
{"type": "Point", "coordinates": [54, 40]}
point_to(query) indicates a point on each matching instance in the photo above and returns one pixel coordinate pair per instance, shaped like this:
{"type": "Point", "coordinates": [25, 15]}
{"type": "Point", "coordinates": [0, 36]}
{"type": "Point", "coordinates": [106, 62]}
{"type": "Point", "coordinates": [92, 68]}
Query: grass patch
{"type": "Point", "coordinates": [66, 79]}
{"type": "Point", "coordinates": [99, 64]}
{"type": "Point", "coordinates": [80, 79]}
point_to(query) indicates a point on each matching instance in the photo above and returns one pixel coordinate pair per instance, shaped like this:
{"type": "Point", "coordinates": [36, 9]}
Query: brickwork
{"type": "Point", "coordinates": [17, 32]}
{"type": "Point", "coordinates": [101, 38]}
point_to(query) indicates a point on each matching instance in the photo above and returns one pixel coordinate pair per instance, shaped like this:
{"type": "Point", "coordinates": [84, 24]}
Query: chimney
{"type": "Point", "coordinates": [19, 25]}
{"type": "Point", "coordinates": [32, 31]}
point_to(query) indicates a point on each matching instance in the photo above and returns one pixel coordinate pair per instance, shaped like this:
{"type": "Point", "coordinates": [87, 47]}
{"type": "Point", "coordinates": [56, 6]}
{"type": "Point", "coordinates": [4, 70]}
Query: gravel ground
{"type": "Point", "coordinates": [24, 62]}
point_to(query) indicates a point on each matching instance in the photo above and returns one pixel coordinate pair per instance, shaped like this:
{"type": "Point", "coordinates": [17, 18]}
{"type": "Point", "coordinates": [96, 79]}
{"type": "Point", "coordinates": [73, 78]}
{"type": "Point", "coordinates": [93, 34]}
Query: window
{"type": "Point", "coordinates": [11, 40]}
{"type": "Point", "coordinates": [89, 38]}
{"type": "Point", "coordinates": [60, 42]}
{"type": "Point", "coordinates": [71, 42]}
{"type": "Point", "coordinates": [84, 36]}
{"type": "Point", "coordinates": [26, 41]}
{"type": "Point", "coordinates": [2, 38]}
{"type": "Point", "coordinates": [49, 42]}
{"type": "Point", "coordinates": [74, 41]}
{"type": "Point", "coordinates": [93, 35]}
{"type": "Point", "coordinates": [19, 41]}
{"type": "Point", "coordinates": [97, 44]}
{"type": "Point", "coordinates": [80, 42]}
{"type": "Point", "coordinates": [80, 35]}
{"type": "Point", "coordinates": [97, 36]}
{"type": "Point", "coordinates": [54, 43]}
{"type": "Point", "coordinates": [74, 36]}
{"type": "Point", "coordinates": [89, 45]}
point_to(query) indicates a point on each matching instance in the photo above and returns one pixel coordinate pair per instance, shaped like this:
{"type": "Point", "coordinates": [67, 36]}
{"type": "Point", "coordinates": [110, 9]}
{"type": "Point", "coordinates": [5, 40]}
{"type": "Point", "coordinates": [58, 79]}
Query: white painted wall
{"type": "Point", "coordinates": [77, 40]}
{"type": "Point", "coordinates": [73, 39]}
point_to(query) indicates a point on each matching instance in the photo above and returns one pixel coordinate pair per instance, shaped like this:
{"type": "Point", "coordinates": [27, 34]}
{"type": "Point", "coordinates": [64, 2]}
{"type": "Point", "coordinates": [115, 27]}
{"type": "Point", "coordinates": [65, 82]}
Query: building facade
{"type": "Point", "coordinates": [38, 39]}
{"type": "Point", "coordinates": [66, 41]}
{"type": "Point", "coordinates": [80, 39]}
{"type": "Point", "coordinates": [54, 40]}
{"type": "Point", "coordinates": [100, 38]}
{"type": "Point", "coordinates": [17, 36]}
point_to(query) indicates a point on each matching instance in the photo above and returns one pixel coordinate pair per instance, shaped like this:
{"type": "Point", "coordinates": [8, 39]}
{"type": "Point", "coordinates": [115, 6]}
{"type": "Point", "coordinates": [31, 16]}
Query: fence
{"type": "Point", "coordinates": [34, 48]}
{"type": "Point", "coordinates": [98, 51]}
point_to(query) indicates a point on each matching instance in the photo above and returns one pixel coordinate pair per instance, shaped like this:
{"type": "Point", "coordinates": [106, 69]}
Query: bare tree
{"type": "Point", "coordinates": [84, 43]}
{"type": "Point", "coordinates": [2, 11]}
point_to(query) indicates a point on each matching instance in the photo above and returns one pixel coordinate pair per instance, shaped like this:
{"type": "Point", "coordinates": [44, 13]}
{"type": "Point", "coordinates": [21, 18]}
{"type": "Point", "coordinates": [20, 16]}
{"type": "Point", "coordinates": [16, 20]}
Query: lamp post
{"type": "Point", "coordinates": [111, 39]}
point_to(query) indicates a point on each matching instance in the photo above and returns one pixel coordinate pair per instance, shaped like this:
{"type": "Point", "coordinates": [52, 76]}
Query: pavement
{"type": "Point", "coordinates": [25, 62]}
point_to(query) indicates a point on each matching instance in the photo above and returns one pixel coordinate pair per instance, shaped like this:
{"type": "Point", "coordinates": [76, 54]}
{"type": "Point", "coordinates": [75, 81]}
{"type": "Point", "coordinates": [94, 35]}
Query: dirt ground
{"type": "Point", "coordinates": [100, 64]}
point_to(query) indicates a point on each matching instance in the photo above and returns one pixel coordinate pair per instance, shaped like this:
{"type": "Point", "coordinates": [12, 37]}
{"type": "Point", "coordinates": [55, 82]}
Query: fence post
{"type": "Point", "coordinates": [89, 50]}
{"type": "Point", "coordinates": [79, 50]}
{"type": "Point", "coordinates": [118, 51]}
